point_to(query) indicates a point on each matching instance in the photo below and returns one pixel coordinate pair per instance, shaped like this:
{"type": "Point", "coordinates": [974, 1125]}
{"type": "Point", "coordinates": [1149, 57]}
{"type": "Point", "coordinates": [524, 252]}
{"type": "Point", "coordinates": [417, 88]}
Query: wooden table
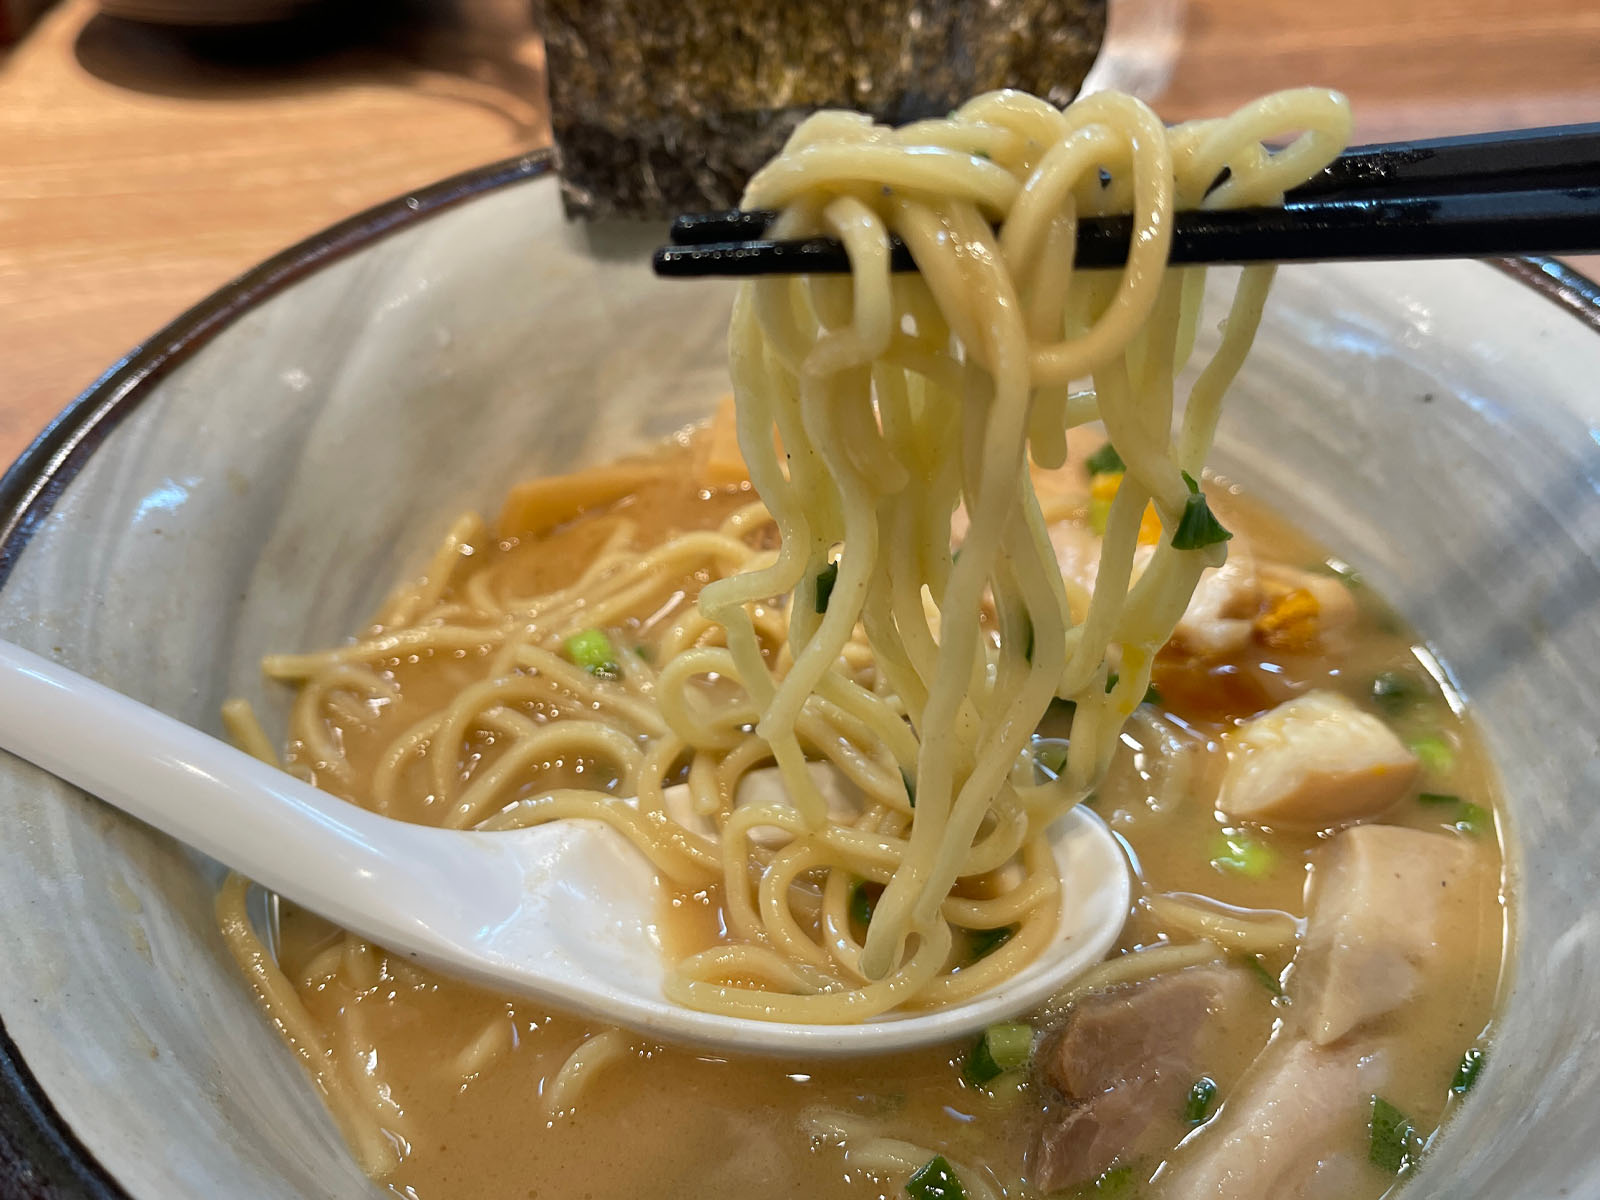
{"type": "Point", "coordinates": [136, 175]}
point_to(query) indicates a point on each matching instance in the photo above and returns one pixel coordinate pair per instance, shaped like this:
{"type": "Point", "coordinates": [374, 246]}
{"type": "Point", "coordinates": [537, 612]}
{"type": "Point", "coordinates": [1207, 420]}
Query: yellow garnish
{"type": "Point", "coordinates": [1150, 526]}
{"type": "Point", "coordinates": [1104, 487]}
{"type": "Point", "coordinates": [1291, 622]}
{"type": "Point", "coordinates": [1102, 491]}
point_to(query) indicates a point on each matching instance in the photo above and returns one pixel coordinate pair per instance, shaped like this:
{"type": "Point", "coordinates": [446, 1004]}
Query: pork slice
{"type": "Point", "coordinates": [1288, 1130]}
{"type": "Point", "coordinates": [1124, 1058]}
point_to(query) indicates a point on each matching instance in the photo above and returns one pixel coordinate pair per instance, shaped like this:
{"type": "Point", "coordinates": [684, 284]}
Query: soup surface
{"type": "Point", "coordinates": [446, 1090]}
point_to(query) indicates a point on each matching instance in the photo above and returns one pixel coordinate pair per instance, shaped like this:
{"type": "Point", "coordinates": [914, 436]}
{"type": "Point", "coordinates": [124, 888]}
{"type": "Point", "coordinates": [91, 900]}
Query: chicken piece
{"type": "Point", "coordinates": [1383, 900]}
{"type": "Point", "coordinates": [1125, 1058]}
{"type": "Point", "coordinates": [723, 463]}
{"type": "Point", "coordinates": [537, 506]}
{"type": "Point", "coordinates": [1314, 762]}
{"type": "Point", "coordinates": [1302, 610]}
{"type": "Point", "coordinates": [1220, 618]}
{"type": "Point", "coordinates": [1286, 1132]}
{"type": "Point", "coordinates": [1221, 615]}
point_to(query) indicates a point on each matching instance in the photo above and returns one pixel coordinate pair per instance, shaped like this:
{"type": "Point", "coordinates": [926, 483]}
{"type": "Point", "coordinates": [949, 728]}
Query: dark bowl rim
{"type": "Point", "coordinates": [41, 1158]}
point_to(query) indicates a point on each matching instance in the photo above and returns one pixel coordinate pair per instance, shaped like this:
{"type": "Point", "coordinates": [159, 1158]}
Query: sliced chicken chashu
{"type": "Point", "coordinates": [1288, 1130]}
{"type": "Point", "coordinates": [1314, 762]}
{"type": "Point", "coordinates": [1384, 901]}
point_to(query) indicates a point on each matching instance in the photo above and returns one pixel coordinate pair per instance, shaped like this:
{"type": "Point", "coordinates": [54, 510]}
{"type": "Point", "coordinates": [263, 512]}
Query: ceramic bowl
{"type": "Point", "coordinates": [257, 475]}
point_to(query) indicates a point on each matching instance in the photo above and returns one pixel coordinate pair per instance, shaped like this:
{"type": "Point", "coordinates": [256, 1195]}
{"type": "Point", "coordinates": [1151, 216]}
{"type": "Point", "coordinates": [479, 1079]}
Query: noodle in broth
{"type": "Point", "coordinates": [838, 617]}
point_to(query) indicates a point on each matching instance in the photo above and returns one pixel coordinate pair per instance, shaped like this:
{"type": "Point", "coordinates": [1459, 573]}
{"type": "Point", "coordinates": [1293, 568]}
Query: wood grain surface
{"type": "Point", "coordinates": [139, 170]}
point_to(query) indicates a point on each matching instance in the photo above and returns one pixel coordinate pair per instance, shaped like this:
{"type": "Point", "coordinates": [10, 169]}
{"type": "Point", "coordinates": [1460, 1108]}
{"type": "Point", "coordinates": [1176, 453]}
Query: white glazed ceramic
{"type": "Point", "coordinates": [258, 476]}
{"type": "Point", "coordinates": [568, 913]}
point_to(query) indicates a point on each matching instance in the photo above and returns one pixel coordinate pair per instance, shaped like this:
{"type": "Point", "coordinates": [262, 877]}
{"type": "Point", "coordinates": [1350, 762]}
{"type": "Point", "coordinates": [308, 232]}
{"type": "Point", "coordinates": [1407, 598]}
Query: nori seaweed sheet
{"type": "Point", "coordinates": [667, 106]}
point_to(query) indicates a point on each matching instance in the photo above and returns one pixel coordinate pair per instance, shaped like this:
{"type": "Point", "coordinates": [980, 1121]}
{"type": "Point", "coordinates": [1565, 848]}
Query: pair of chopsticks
{"type": "Point", "coordinates": [1534, 191]}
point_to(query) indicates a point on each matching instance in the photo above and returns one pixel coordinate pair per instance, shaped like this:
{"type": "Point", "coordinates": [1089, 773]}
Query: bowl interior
{"type": "Point", "coordinates": [1433, 424]}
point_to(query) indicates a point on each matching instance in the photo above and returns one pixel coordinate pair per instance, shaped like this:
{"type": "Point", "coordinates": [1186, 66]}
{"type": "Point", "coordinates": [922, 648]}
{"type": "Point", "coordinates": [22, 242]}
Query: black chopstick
{"type": "Point", "coordinates": [1474, 162]}
{"type": "Point", "coordinates": [1472, 225]}
{"type": "Point", "coordinates": [1517, 192]}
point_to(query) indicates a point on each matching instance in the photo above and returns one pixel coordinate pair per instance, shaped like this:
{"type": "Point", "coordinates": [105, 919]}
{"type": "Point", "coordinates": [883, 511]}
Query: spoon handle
{"type": "Point", "coordinates": [264, 823]}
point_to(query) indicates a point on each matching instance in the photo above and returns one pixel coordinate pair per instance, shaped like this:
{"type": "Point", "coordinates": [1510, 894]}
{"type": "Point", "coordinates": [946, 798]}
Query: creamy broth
{"type": "Point", "coordinates": [457, 1076]}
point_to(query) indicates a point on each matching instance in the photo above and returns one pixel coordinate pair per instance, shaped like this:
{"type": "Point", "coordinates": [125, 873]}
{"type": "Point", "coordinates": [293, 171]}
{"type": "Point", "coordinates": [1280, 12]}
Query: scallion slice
{"type": "Point", "coordinates": [1467, 1072]}
{"type": "Point", "coordinates": [826, 578]}
{"type": "Point", "coordinates": [911, 786]}
{"type": "Point", "coordinates": [1198, 1106]}
{"type": "Point", "coordinates": [1114, 1183]}
{"type": "Point", "coordinates": [592, 650]}
{"type": "Point", "coordinates": [1463, 814]}
{"type": "Point", "coordinates": [1003, 1047]}
{"type": "Point", "coordinates": [1241, 854]}
{"type": "Point", "coordinates": [935, 1180]}
{"type": "Point", "coordinates": [1394, 1142]}
{"type": "Point", "coordinates": [862, 902]}
{"type": "Point", "coordinates": [983, 942]}
{"type": "Point", "coordinates": [1106, 461]}
{"type": "Point", "coordinates": [1437, 754]}
{"type": "Point", "coordinates": [1393, 692]}
{"type": "Point", "coordinates": [1256, 967]}
{"type": "Point", "coordinates": [1198, 527]}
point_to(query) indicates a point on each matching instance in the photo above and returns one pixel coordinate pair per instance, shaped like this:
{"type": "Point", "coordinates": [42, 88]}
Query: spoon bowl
{"type": "Point", "coordinates": [567, 912]}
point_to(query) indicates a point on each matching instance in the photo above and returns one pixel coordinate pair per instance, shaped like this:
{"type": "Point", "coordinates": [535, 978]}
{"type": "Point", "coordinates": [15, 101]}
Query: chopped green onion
{"type": "Point", "coordinates": [935, 1180]}
{"type": "Point", "coordinates": [1198, 527]}
{"type": "Point", "coordinates": [1010, 1044]}
{"type": "Point", "coordinates": [1241, 854]}
{"type": "Point", "coordinates": [1114, 1182]}
{"type": "Point", "coordinates": [911, 786]}
{"type": "Point", "coordinates": [1027, 651]}
{"type": "Point", "coordinates": [826, 578]}
{"type": "Point", "coordinates": [1394, 1141]}
{"type": "Point", "coordinates": [1465, 815]}
{"type": "Point", "coordinates": [862, 902]}
{"type": "Point", "coordinates": [1253, 964]}
{"type": "Point", "coordinates": [1151, 696]}
{"type": "Point", "coordinates": [1007, 1088]}
{"type": "Point", "coordinates": [1437, 755]}
{"type": "Point", "coordinates": [1198, 1105]}
{"type": "Point", "coordinates": [983, 942]}
{"type": "Point", "coordinates": [592, 650]}
{"type": "Point", "coordinates": [1393, 692]}
{"type": "Point", "coordinates": [1467, 1072]}
{"type": "Point", "coordinates": [1106, 461]}
{"type": "Point", "coordinates": [1003, 1047]}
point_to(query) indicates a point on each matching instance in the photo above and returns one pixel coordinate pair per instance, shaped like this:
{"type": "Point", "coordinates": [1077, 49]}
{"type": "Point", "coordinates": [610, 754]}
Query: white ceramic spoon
{"type": "Point", "coordinates": [568, 912]}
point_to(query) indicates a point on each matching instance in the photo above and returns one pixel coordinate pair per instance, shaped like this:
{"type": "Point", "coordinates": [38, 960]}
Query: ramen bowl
{"type": "Point", "coordinates": [256, 476]}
